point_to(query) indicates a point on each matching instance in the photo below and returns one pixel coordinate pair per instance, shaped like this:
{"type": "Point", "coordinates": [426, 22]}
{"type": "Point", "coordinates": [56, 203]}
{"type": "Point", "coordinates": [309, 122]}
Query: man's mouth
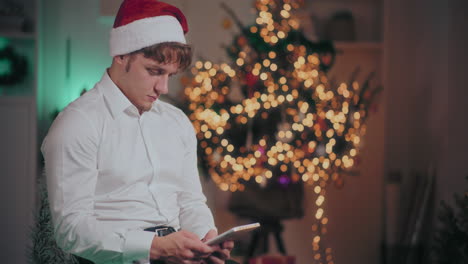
{"type": "Point", "coordinates": [153, 97]}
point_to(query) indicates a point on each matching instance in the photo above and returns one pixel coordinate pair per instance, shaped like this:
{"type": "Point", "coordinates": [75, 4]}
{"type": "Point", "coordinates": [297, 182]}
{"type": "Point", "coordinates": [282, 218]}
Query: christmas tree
{"type": "Point", "coordinates": [272, 115]}
{"type": "Point", "coordinates": [451, 238]}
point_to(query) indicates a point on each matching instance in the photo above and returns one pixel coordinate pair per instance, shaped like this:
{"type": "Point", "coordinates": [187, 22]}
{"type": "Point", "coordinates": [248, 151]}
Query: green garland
{"type": "Point", "coordinates": [14, 68]}
{"type": "Point", "coordinates": [450, 244]}
{"type": "Point", "coordinates": [44, 249]}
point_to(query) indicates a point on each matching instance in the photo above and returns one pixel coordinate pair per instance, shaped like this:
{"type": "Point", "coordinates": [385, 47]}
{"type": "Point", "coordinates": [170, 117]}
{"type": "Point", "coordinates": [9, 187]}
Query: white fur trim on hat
{"type": "Point", "coordinates": [144, 33]}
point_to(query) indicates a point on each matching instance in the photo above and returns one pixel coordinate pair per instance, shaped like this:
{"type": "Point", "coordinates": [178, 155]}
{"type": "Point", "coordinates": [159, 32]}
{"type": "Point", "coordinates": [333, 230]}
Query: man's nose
{"type": "Point", "coordinates": [162, 86]}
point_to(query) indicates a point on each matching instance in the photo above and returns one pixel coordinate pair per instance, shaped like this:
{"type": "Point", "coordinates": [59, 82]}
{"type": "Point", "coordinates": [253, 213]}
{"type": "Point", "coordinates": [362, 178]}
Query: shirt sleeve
{"type": "Point", "coordinates": [70, 153]}
{"type": "Point", "coordinates": [195, 215]}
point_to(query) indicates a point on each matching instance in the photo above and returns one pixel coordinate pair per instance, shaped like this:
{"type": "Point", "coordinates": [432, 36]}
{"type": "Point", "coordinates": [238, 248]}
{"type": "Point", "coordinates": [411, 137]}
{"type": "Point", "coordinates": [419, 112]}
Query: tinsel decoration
{"type": "Point", "coordinates": [44, 249]}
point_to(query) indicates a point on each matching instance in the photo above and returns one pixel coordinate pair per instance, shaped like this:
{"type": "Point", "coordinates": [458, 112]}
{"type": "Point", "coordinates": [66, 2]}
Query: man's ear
{"type": "Point", "coordinates": [120, 59]}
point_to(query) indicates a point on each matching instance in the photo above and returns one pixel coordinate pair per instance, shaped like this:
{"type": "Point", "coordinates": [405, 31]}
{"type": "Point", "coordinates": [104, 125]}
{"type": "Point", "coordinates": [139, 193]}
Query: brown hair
{"type": "Point", "coordinates": [168, 52]}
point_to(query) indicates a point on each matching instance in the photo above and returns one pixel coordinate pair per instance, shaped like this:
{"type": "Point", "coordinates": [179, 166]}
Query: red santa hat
{"type": "Point", "coordinates": [143, 23]}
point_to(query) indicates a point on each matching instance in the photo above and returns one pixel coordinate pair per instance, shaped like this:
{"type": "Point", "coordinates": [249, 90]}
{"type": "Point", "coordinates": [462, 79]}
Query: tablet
{"type": "Point", "coordinates": [232, 233]}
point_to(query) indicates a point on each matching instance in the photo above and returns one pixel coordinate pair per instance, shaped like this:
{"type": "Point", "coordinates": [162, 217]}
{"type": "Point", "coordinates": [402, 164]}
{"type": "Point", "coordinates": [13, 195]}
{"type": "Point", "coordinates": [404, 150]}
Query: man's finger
{"type": "Point", "coordinates": [202, 255]}
{"type": "Point", "coordinates": [225, 253]}
{"type": "Point", "coordinates": [187, 254]}
{"type": "Point", "coordinates": [211, 234]}
{"type": "Point", "coordinates": [215, 260]}
{"type": "Point", "coordinates": [229, 245]}
{"type": "Point", "coordinates": [199, 247]}
{"type": "Point", "coordinates": [221, 254]}
{"type": "Point", "coordinates": [188, 234]}
{"type": "Point", "coordinates": [192, 261]}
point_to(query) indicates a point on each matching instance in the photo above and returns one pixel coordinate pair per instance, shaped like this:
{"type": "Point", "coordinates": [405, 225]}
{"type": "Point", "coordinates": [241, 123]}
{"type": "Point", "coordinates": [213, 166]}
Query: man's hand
{"type": "Point", "coordinates": [180, 247]}
{"type": "Point", "coordinates": [221, 251]}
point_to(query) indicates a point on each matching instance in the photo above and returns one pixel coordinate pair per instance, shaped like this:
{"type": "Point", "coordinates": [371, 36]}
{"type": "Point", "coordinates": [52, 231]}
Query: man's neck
{"type": "Point", "coordinates": [112, 75]}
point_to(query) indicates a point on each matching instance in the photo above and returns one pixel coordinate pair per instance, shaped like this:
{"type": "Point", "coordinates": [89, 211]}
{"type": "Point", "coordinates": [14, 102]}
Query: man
{"type": "Point", "coordinates": [121, 165]}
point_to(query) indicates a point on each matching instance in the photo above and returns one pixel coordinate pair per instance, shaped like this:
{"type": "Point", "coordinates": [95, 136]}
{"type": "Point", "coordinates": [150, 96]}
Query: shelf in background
{"type": "Point", "coordinates": [343, 46]}
{"type": "Point", "coordinates": [20, 99]}
{"type": "Point", "coordinates": [17, 35]}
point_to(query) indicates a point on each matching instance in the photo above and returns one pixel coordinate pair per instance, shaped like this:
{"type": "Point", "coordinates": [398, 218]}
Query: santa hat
{"type": "Point", "coordinates": [143, 23]}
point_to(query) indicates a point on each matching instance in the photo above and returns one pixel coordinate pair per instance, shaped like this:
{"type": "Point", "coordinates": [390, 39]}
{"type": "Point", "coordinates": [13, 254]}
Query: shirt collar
{"type": "Point", "coordinates": [117, 102]}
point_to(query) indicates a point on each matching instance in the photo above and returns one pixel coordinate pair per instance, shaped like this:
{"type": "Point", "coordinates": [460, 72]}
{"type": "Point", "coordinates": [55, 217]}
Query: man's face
{"type": "Point", "coordinates": [144, 80]}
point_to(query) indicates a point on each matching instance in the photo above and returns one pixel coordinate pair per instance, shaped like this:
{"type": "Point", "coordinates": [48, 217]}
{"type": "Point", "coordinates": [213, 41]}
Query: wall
{"type": "Point", "coordinates": [455, 168]}
{"type": "Point", "coordinates": [416, 53]}
{"type": "Point", "coordinates": [17, 176]}
{"type": "Point", "coordinates": [426, 94]}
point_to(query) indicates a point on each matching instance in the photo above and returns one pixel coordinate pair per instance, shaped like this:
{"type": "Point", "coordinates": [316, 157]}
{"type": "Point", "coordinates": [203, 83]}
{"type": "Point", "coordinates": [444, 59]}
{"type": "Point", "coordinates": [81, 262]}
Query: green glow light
{"type": "Point", "coordinates": [4, 42]}
{"type": "Point", "coordinates": [5, 67]}
{"type": "Point", "coordinates": [62, 77]}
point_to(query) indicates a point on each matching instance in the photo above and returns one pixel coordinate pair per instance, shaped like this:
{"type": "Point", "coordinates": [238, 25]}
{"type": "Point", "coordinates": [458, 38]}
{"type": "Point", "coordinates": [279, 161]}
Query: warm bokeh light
{"type": "Point", "coordinates": [318, 127]}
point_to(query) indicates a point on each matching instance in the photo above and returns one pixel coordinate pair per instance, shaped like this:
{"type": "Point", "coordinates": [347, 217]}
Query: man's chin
{"type": "Point", "coordinates": [145, 108]}
{"type": "Point", "coordinates": [149, 106]}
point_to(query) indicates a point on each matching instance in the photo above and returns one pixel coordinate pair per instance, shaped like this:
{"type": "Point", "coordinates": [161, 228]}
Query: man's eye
{"type": "Point", "coordinates": [154, 72]}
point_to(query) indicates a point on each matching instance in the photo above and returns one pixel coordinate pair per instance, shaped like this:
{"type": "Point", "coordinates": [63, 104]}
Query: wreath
{"type": "Point", "coordinates": [13, 67]}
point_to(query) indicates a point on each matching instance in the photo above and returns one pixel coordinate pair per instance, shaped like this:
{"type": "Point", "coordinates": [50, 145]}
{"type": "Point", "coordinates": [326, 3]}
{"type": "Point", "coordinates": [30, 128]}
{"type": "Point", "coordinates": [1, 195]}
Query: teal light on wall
{"type": "Point", "coordinates": [69, 68]}
{"type": "Point", "coordinates": [84, 74]}
{"type": "Point", "coordinates": [4, 42]}
{"type": "Point", "coordinates": [74, 53]}
{"type": "Point", "coordinates": [5, 67]}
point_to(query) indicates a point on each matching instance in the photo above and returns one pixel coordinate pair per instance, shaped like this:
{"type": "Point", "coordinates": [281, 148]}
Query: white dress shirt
{"type": "Point", "coordinates": [112, 172]}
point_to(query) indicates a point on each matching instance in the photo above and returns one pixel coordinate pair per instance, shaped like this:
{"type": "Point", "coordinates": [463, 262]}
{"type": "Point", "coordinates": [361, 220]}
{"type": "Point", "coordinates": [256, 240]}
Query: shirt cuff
{"type": "Point", "coordinates": [201, 232]}
{"type": "Point", "coordinates": [137, 245]}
